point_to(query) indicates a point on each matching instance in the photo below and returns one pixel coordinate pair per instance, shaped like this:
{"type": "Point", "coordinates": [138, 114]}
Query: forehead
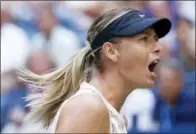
{"type": "Point", "coordinates": [149, 31]}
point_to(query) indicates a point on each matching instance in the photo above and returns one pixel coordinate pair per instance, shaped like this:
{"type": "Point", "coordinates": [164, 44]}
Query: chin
{"type": "Point", "coordinates": [147, 84]}
{"type": "Point", "coordinates": [150, 84]}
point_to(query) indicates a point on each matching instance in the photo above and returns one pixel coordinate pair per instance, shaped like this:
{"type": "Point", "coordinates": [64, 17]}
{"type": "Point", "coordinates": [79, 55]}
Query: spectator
{"type": "Point", "coordinates": [14, 110]}
{"type": "Point", "coordinates": [7, 81]}
{"type": "Point", "coordinates": [70, 19]}
{"type": "Point", "coordinates": [39, 62]}
{"type": "Point", "coordinates": [187, 9]}
{"type": "Point", "coordinates": [14, 43]}
{"type": "Point", "coordinates": [12, 104]}
{"type": "Point", "coordinates": [23, 15]}
{"type": "Point", "coordinates": [140, 5]}
{"type": "Point", "coordinates": [53, 38]}
{"type": "Point", "coordinates": [138, 110]}
{"type": "Point", "coordinates": [184, 24]}
{"type": "Point", "coordinates": [175, 99]}
{"type": "Point", "coordinates": [58, 29]}
{"type": "Point", "coordinates": [191, 44]}
{"type": "Point", "coordinates": [159, 8]}
{"type": "Point", "coordinates": [91, 9]}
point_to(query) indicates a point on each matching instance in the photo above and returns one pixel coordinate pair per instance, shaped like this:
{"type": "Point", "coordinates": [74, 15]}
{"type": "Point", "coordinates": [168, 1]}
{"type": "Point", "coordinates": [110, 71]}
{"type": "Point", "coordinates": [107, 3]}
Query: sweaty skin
{"type": "Point", "coordinates": [119, 76]}
{"type": "Point", "coordinates": [86, 114]}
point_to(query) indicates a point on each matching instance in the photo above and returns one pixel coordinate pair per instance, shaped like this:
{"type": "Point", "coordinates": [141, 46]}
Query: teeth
{"type": "Point", "coordinates": [155, 61]}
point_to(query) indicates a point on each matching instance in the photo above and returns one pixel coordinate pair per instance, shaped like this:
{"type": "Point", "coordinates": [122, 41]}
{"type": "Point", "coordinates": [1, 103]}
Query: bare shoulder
{"type": "Point", "coordinates": [83, 101]}
{"type": "Point", "coordinates": [84, 113]}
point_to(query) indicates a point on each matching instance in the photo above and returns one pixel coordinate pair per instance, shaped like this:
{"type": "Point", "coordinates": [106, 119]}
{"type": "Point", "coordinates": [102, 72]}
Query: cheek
{"type": "Point", "coordinates": [134, 58]}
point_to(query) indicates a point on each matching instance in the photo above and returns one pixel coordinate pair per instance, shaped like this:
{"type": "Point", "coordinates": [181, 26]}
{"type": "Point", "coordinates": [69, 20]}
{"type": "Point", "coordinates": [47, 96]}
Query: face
{"type": "Point", "coordinates": [46, 21]}
{"type": "Point", "coordinates": [134, 57]}
{"type": "Point", "coordinates": [169, 83]}
{"type": "Point", "coordinates": [5, 17]}
{"type": "Point", "coordinates": [182, 27]}
{"type": "Point", "coordinates": [40, 63]}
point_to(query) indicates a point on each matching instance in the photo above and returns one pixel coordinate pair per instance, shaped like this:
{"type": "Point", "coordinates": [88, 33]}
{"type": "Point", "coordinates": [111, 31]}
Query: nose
{"type": "Point", "coordinates": [157, 49]}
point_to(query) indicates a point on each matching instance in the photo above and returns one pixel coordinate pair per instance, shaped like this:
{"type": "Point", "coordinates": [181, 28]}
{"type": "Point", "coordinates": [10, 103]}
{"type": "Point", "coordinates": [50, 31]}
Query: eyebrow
{"type": "Point", "coordinates": [154, 35]}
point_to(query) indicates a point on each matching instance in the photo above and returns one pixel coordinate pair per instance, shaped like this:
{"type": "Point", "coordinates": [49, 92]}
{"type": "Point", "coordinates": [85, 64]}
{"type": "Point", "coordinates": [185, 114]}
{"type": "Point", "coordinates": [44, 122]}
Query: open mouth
{"type": "Point", "coordinates": [153, 65]}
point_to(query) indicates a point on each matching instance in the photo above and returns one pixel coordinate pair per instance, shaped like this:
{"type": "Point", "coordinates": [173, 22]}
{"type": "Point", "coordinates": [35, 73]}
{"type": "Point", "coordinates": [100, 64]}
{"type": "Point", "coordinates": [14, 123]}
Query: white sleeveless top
{"type": "Point", "coordinates": [117, 122]}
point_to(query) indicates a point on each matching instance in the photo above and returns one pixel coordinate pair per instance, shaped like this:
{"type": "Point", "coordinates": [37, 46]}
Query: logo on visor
{"type": "Point", "coordinates": [141, 15]}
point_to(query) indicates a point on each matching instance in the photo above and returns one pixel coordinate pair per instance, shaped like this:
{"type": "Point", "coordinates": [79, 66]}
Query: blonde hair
{"type": "Point", "coordinates": [62, 83]}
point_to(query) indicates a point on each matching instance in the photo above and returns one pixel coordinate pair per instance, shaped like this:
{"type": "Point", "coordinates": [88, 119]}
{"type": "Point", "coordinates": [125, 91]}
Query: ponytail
{"type": "Point", "coordinates": [61, 84]}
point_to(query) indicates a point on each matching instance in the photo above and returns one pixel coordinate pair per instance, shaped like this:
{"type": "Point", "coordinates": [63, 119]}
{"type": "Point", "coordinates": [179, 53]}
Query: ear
{"type": "Point", "coordinates": [110, 51]}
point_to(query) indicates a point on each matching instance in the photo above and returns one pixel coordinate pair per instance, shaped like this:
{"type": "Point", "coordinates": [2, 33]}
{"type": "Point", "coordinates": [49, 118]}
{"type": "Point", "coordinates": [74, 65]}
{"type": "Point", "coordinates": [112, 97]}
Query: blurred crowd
{"type": "Point", "coordinates": [41, 36]}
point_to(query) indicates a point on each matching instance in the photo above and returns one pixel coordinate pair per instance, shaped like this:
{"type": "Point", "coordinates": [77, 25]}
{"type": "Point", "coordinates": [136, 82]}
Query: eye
{"type": "Point", "coordinates": [144, 38]}
{"type": "Point", "coordinates": [156, 38]}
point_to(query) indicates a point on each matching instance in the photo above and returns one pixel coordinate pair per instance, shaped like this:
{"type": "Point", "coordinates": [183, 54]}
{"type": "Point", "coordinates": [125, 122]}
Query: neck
{"type": "Point", "coordinates": [49, 31]}
{"type": "Point", "coordinates": [112, 87]}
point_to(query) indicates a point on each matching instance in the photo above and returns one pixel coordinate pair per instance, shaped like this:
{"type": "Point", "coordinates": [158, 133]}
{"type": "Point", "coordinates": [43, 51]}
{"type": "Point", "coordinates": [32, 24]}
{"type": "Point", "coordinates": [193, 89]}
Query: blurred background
{"type": "Point", "coordinates": [41, 35]}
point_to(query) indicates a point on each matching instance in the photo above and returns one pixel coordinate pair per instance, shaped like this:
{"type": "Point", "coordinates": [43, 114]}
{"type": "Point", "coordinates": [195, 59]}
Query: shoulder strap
{"type": "Point", "coordinates": [84, 91]}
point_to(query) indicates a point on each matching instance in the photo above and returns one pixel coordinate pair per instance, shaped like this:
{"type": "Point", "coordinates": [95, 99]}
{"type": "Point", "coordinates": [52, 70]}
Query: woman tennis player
{"type": "Point", "coordinates": [86, 95]}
